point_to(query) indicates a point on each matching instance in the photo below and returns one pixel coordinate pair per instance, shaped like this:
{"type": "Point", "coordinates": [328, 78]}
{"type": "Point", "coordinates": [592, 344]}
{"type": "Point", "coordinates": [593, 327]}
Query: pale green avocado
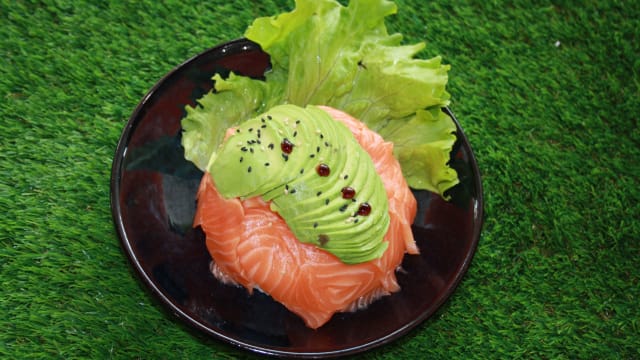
{"type": "Point", "coordinates": [307, 163]}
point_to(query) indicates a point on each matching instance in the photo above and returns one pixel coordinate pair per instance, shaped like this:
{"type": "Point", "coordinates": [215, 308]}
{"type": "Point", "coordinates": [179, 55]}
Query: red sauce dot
{"type": "Point", "coordinates": [323, 170]}
{"type": "Point", "coordinates": [323, 239]}
{"type": "Point", "coordinates": [286, 146]}
{"type": "Point", "coordinates": [364, 209]}
{"type": "Point", "coordinates": [348, 192]}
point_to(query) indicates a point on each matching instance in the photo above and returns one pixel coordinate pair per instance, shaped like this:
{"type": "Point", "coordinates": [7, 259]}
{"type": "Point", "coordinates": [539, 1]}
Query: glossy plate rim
{"type": "Point", "coordinates": [194, 323]}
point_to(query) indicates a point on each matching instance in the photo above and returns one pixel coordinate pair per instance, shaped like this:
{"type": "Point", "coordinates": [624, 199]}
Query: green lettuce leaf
{"type": "Point", "coordinates": [422, 145]}
{"type": "Point", "coordinates": [236, 99]}
{"type": "Point", "coordinates": [323, 53]}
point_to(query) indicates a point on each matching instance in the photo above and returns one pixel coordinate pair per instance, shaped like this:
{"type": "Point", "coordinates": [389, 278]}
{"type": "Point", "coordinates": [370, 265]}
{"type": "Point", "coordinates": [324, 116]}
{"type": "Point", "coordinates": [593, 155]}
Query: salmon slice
{"type": "Point", "coordinates": [252, 246]}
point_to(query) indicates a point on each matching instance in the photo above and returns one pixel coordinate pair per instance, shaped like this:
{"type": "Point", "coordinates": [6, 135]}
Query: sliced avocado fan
{"type": "Point", "coordinates": [316, 175]}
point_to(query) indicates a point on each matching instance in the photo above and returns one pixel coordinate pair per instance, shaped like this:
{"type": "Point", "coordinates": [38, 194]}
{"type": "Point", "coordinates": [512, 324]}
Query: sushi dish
{"type": "Point", "coordinates": [253, 246]}
{"type": "Point", "coordinates": [308, 172]}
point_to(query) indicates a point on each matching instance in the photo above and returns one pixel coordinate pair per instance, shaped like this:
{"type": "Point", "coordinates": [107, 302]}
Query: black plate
{"type": "Point", "coordinates": [153, 202]}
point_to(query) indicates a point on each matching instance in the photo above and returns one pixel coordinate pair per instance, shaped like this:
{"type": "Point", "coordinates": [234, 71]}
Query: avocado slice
{"type": "Point", "coordinates": [316, 175]}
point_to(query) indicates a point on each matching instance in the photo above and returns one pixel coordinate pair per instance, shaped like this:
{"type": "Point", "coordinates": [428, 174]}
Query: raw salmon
{"type": "Point", "coordinates": [252, 246]}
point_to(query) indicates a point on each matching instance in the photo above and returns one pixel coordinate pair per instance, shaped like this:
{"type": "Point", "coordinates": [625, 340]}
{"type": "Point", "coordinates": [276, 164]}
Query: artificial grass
{"type": "Point", "coordinates": [546, 91]}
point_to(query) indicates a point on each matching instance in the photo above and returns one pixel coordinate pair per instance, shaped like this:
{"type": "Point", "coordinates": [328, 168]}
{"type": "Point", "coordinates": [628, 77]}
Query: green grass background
{"type": "Point", "coordinates": [547, 91]}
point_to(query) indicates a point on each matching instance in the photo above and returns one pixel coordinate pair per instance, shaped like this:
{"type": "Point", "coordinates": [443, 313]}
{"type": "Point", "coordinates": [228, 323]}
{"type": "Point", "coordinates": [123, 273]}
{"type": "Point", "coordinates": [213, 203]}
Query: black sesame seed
{"type": "Point", "coordinates": [356, 220]}
{"type": "Point", "coordinates": [343, 208]}
{"type": "Point", "coordinates": [285, 157]}
{"type": "Point", "coordinates": [346, 177]}
{"type": "Point", "coordinates": [262, 119]}
{"type": "Point", "coordinates": [249, 169]}
{"type": "Point", "coordinates": [318, 149]}
{"type": "Point", "coordinates": [266, 164]}
{"type": "Point", "coordinates": [250, 129]}
{"type": "Point", "coordinates": [243, 148]}
{"type": "Point", "coordinates": [315, 225]}
{"type": "Point", "coordinates": [326, 202]}
{"type": "Point", "coordinates": [295, 133]}
{"type": "Point", "coordinates": [293, 191]}
{"type": "Point", "coordinates": [271, 146]}
{"type": "Point", "coordinates": [319, 193]}
{"type": "Point", "coordinates": [258, 141]}
{"type": "Point", "coordinates": [237, 130]}
{"type": "Point", "coordinates": [269, 117]}
{"type": "Point", "coordinates": [312, 156]}
{"type": "Point", "coordinates": [264, 126]}
{"type": "Point", "coordinates": [286, 187]}
{"type": "Point", "coordinates": [321, 136]}
{"type": "Point", "coordinates": [251, 150]}
{"type": "Point", "coordinates": [326, 144]}
{"type": "Point", "coordinates": [297, 121]}
{"type": "Point", "coordinates": [301, 171]}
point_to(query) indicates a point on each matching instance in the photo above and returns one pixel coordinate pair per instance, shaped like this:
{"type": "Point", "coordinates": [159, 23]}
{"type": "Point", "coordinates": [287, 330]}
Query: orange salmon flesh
{"type": "Point", "coordinates": [252, 246]}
